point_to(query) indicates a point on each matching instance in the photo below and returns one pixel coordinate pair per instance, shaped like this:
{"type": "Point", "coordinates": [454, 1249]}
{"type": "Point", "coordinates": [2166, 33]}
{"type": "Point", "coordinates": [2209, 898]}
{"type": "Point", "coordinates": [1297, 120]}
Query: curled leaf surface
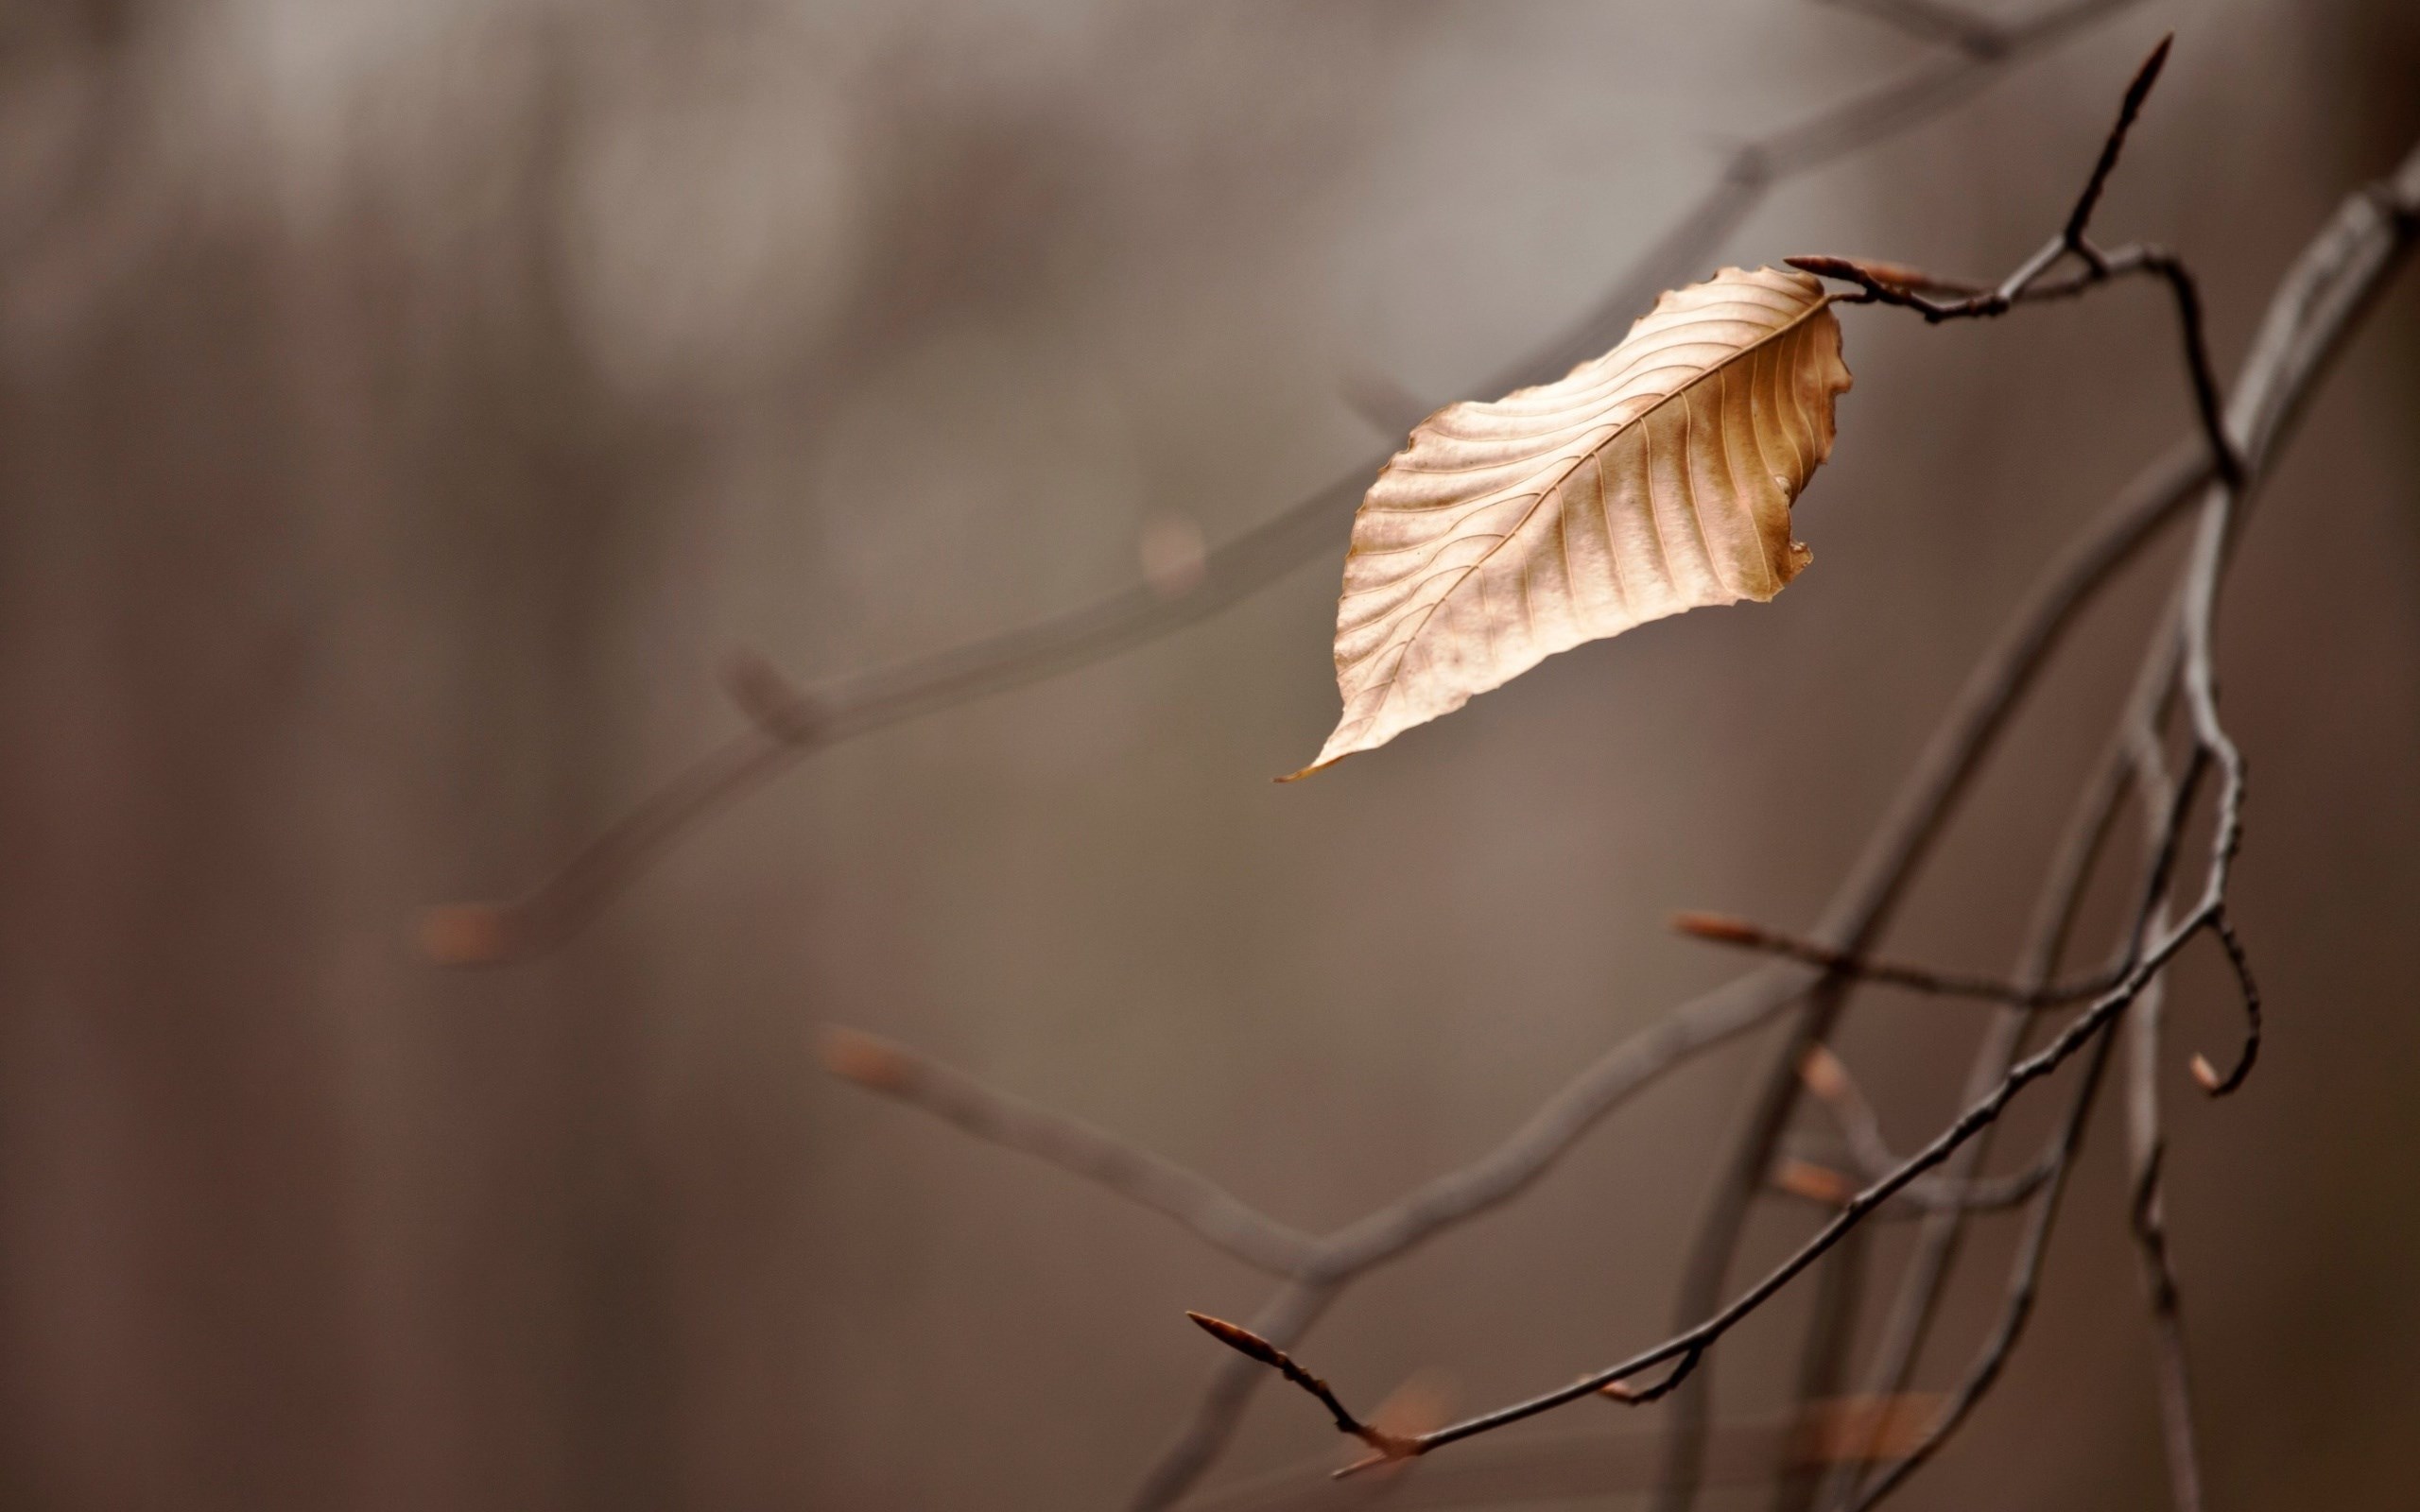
{"type": "Point", "coordinates": [1655, 479]}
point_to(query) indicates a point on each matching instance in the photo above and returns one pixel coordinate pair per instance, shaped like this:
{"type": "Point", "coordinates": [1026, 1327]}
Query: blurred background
{"type": "Point", "coordinates": [407, 404]}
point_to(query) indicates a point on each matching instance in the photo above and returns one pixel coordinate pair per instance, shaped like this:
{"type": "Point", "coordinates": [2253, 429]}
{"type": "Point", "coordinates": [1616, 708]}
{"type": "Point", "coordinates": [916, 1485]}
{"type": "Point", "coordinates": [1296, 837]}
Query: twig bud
{"type": "Point", "coordinates": [878, 1064]}
{"type": "Point", "coordinates": [1818, 1183]}
{"type": "Point", "coordinates": [1823, 1074]}
{"type": "Point", "coordinates": [1720, 928]}
{"type": "Point", "coordinates": [1242, 1340]}
{"type": "Point", "coordinates": [466, 933]}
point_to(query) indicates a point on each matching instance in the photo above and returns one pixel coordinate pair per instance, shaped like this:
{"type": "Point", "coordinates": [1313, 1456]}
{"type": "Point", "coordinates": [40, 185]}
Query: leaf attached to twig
{"type": "Point", "coordinates": [1655, 479]}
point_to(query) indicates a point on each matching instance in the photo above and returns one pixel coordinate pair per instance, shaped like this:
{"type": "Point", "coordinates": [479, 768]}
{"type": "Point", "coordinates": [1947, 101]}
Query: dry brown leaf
{"type": "Point", "coordinates": [1655, 479]}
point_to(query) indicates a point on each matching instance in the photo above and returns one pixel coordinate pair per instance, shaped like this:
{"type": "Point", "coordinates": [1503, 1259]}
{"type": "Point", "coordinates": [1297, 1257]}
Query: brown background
{"type": "Point", "coordinates": [404, 404]}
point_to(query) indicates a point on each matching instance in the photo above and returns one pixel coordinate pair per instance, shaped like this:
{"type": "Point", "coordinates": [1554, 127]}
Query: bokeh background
{"type": "Point", "coordinates": [405, 404]}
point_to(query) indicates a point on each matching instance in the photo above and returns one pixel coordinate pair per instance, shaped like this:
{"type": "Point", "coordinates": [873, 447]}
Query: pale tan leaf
{"type": "Point", "coordinates": [1655, 479]}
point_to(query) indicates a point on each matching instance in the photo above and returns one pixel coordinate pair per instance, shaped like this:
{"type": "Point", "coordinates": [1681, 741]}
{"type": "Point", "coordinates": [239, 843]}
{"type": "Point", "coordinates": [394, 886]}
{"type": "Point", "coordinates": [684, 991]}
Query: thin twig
{"type": "Point", "coordinates": [1260, 1352]}
{"type": "Point", "coordinates": [1830, 1083]}
{"type": "Point", "coordinates": [1722, 929]}
{"type": "Point", "coordinates": [1571, 1466]}
{"type": "Point", "coordinates": [1133, 1173]}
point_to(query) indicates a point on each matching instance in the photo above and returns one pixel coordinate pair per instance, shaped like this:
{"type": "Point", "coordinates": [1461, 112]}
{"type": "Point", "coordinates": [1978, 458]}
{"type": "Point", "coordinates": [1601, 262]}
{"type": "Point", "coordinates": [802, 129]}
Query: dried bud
{"type": "Point", "coordinates": [466, 933]}
{"type": "Point", "coordinates": [1242, 1340]}
{"type": "Point", "coordinates": [869, 1062]}
{"type": "Point", "coordinates": [1720, 928]}
{"type": "Point", "coordinates": [1824, 1073]}
{"type": "Point", "coordinates": [1819, 1183]}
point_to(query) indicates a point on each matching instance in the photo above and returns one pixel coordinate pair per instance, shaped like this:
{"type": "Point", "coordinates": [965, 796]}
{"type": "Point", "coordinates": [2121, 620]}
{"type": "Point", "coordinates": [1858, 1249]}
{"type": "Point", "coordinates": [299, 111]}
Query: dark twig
{"type": "Point", "coordinates": [1722, 929]}
{"type": "Point", "coordinates": [1572, 1465]}
{"type": "Point", "coordinates": [1252, 1347]}
{"type": "Point", "coordinates": [2138, 91]}
{"type": "Point", "coordinates": [564, 903]}
{"type": "Point", "coordinates": [2249, 991]}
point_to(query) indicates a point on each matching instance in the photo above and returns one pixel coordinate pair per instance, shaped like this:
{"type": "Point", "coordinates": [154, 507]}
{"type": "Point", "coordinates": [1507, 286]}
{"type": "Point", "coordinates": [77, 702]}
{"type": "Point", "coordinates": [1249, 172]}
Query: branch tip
{"type": "Point", "coordinates": [1817, 1183]}
{"type": "Point", "coordinates": [2136, 92]}
{"type": "Point", "coordinates": [1242, 1340]}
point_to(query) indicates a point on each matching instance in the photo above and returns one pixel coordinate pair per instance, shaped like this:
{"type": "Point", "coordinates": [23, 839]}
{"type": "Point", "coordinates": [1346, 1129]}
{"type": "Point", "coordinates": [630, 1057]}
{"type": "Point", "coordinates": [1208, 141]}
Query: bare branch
{"type": "Point", "coordinates": [2128, 109]}
{"type": "Point", "coordinates": [1133, 1173]}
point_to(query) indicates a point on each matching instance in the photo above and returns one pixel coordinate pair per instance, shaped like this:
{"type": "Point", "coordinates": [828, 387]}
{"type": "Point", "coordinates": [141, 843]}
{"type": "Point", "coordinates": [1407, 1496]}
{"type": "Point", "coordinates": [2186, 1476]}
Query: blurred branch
{"type": "Point", "coordinates": [1930, 22]}
{"type": "Point", "coordinates": [563, 905]}
{"type": "Point", "coordinates": [1136, 1175]}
